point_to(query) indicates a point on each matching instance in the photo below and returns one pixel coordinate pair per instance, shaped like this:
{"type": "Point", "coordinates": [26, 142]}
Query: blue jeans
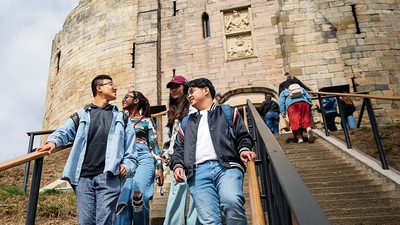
{"type": "Point", "coordinates": [176, 206]}
{"type": "Point", "coordinates": [143, 180]}
{"type": "Point", "coordinates": [96, 198]}
{"type": "Point", "coordinates": [351, 122]}
{"type": "Point", "coordinates": [271, 119]}
{"type": "Point", "coordinates": [215, 187]}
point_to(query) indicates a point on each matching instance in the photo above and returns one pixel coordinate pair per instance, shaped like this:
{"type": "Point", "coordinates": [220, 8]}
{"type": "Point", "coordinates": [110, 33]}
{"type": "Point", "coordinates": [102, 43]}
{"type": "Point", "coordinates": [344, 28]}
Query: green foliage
{"type": "Point", "coordinates": [50, 209]}
{"type": "Point", "coordinates": [52, 192]}
{"type": "Point", "coordinates": [8, 191]}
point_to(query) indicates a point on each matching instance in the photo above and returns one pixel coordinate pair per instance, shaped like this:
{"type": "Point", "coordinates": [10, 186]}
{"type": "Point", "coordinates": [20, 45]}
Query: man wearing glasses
{"type": "Point", "coordinates": [102, 153]}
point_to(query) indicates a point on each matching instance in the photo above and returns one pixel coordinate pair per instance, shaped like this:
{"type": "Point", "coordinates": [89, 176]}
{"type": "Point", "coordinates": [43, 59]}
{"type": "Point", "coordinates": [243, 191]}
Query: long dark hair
{"type": "Point", "coordinates": [143, 103]}
{"type": "Point", "coordinates": [177, 108]}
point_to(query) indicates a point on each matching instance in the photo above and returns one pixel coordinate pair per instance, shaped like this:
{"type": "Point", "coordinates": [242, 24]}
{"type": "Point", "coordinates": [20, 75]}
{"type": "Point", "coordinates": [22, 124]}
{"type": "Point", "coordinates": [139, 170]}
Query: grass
{"type": "Point", "coordinates": [9, 191]}
{"type": "Point", "coordinates": [363, 140]}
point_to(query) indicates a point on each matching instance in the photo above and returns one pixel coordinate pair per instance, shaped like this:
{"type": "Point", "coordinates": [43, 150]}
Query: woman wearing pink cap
{"type": "Point", "coordinates": [178, 107]}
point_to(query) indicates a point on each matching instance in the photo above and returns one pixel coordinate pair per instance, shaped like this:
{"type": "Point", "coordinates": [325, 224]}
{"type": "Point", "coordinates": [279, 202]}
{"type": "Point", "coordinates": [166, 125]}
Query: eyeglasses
{"type": "Point", "coordinates": [191, 91]}
{"type": "Point", "coordinates": [109, 83]}
{"type": "Point", "coordinates": [126, 97]}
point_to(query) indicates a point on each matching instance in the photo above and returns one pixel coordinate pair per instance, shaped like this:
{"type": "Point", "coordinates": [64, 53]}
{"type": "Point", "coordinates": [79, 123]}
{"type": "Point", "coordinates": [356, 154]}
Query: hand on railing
{"type": "Point", "coordinates": [247, 156]}
{"type": "Point", "coordinates": [48, 147]}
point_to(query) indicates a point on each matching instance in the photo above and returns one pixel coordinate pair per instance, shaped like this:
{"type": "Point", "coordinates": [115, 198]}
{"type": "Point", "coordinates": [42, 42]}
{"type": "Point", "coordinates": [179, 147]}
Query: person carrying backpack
{"type": "Point", "coordinates": [211, 153]}
{"type": "Point", "coordinates": [295, 102]}
{"type": "Point", "coordinates": [269, 111]}
{"type": "Point", "coordinates": [102, 154]}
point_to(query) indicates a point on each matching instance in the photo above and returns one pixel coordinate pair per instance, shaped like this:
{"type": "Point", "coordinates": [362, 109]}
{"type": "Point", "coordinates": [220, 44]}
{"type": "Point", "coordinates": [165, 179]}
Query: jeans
{"type": "Point", "coordinates": [143, 180]}
{"type": "Point", "coordinates": [96, 198]}
{"type": "Point", "coordinates": [176, 206]}
{"type": "Point", "coordinates": [351, 122]}
{"type": "Point", "coordinates": [271, 119]}
{"type": "Point", "coordinates": [215, 187]}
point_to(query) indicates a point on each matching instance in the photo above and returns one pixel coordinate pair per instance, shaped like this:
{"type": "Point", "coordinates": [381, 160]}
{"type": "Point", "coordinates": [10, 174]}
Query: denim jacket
{"type": "Point", "coordinates": [121, 147]}
{"type": "Point", "coordinates": [285, 101]}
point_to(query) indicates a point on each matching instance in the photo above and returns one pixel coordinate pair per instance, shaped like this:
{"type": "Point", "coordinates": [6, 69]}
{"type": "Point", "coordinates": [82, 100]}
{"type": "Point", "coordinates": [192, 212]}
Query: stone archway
{"type": "Point", "coordinates": [255, 94]}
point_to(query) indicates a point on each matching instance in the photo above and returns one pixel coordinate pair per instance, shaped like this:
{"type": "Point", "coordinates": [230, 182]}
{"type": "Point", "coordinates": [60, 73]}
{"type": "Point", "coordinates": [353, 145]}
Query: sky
{"type": "Point", "coordinates": [27, 28]}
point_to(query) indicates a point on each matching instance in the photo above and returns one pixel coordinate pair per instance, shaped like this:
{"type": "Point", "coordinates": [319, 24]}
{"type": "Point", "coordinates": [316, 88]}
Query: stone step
{"type": "Point", "coordinates": [359, 203]}
{"type": "Point", "coordinates": [327, 170]}
{"type": "Point", "coordinates": [322, 168]}
{"type": "Point", "coordinates": [337, 172]}
{"type": "Point", "coordinates": [314, 157]}
{"type": "Point", "coordinates": [347, 189]}
{"type": "Point", "coordinates": [364, 211]}
{"type": "Point", "coordinates": [318, 165]}
{"type": "Point", "coordinates": [352, 183]}
{"type": "Point", "coordinates": [358, 194]}
{"type": "Point", "coordinates": [366, 220]}
{"type": "Point", "coordinates": [347, 177]}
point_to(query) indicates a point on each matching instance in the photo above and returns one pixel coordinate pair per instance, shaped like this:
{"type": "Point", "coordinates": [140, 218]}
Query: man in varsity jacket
{"type": "Point", "coordinates": [212, 151]}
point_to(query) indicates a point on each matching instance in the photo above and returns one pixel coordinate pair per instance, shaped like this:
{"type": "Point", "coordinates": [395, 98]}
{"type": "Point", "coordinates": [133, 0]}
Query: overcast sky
{"type": "Point", "coordinates": [27, 29]}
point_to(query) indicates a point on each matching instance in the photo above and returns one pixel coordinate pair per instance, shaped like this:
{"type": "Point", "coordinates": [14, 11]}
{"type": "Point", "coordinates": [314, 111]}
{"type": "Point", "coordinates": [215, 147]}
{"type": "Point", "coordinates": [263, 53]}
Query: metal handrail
{"type": "Point", "coordinates": [288, 200]}
{"type": "Point", "coordinates": [371, 114]}
{"type": "Point", "coordinates": [257, 213]}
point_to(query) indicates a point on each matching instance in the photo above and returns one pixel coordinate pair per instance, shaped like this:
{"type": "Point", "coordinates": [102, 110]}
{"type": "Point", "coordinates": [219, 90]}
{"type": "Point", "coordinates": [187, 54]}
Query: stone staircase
{"type": "Point", "coordinates": [159, 202]}
{"type": "Point", "coordinates": [348, 192]}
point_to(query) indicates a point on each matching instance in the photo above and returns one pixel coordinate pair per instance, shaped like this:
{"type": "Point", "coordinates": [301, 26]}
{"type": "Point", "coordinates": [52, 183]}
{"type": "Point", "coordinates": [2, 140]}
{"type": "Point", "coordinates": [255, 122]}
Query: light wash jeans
{"type": "Point", "coordinates": [176, 206]}
{"type": "Point", "coordinates": [143, 180]}
{"type": "Point", "coordinates": [271, 119]}
{"type": "Point", "coordinates": [351, 122]}
{"type": "Point", "coordinates": [96, 199]}
{"type": "Point", "coordinates": [215, 187]}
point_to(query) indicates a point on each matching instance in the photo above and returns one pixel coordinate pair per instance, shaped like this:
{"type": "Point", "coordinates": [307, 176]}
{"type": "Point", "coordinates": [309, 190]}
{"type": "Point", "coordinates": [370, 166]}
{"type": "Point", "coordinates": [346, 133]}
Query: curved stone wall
{"type": "Point", "coordinates": [97, 38]}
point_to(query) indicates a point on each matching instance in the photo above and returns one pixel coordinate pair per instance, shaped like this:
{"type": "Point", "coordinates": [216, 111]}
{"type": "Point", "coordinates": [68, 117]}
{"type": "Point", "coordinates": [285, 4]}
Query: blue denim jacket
{"type": "Point", "coordinates": [285, 101]}
{"type": "Point", "coordinates": [329, 104]}
{"type": "Point", "coordinates": [121, 147]}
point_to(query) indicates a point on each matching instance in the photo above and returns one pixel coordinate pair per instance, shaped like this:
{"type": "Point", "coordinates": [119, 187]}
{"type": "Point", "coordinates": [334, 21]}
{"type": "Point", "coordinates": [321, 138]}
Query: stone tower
{"type": "Point", "coordinates": [244, 47]}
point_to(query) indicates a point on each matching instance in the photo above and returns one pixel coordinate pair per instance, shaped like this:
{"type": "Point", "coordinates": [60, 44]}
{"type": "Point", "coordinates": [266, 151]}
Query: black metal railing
{"type": "Point", "coordinates": [286, 198]}
{"type": "Point", "coordinates": [371, 115]}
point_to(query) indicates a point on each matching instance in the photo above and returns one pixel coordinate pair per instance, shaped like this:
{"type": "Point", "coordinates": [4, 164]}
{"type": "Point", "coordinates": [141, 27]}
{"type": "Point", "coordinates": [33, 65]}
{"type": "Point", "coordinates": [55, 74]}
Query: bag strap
{"type": "Point", "coordinates": [76, 119]}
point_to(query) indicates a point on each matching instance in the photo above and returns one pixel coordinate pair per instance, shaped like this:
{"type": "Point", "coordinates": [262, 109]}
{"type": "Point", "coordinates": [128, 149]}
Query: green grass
{"type": "Point", "coordinates": [52, 192]}
{"type": "Point", "coordinates": [50, 209]}
{"type": "Point", "coordinates": [9, 191]}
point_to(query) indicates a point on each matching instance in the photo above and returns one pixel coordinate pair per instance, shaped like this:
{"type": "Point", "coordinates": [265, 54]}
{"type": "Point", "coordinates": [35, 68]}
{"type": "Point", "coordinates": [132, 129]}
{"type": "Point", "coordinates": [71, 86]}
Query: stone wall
{"type": "Point", "coordinates": [248, 47]}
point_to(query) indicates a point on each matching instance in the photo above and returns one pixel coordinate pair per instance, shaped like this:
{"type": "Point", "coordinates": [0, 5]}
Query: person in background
{"type": "Point", "coordinates": [348, 110]}
{"type": "Point", "coordinates": [330, 108]}
{"type": "Point", "coordinates": [218, 98]}
{"type": "Point", "coordinates": [134, 201]}
{"type": "Point", "coordinates": [269, 111]}
{"type": "Point", "coordinates": [212, 158]}
{"type": "Point", "coordinates": [295, 102]}
{"type": "Point", "coordinates": [178, 108]}
{"type": "Point", "coordinates": [103, 151]}
{"type": "Point", "coordinates": [290, 79]}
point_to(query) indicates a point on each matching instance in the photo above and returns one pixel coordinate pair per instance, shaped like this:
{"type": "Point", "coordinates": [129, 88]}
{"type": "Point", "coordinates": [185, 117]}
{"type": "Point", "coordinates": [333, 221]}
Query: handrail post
{"type": "Point", "coordinates": [34, 193]}
{"type": "Point", "coordinates": [343, 122]}
{"type": "Point", "coordinates": [28, 164]}
{"type": "Point", "coordinates": [374, 126]}
{"type": "Point", "coordinates": [361, 114]}
{"type": "Point", "coordinates": [323, 115]}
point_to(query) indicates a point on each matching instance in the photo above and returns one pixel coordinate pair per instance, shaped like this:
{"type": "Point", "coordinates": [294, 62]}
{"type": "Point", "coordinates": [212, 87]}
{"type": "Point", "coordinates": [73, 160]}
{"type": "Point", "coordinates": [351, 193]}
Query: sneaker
{"type": "Point", "coordinates": [310, 135]}
{"type": "Point", "coordinates": [137, 201]}
{"type": "Point", "coordinates": [300, 140]}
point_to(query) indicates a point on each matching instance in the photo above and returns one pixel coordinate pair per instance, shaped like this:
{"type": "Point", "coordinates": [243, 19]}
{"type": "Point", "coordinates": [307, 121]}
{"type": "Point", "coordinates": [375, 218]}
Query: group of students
{"type": "Point", "coordinates": [295, 102]}
{"type": "Point", "coordinates": [112, 162]}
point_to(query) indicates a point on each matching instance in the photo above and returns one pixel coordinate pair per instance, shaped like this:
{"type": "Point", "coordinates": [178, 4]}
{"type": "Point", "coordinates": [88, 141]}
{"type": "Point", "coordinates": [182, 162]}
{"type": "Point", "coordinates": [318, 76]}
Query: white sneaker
{"type": "Point", "coordinates": [310, 135]}
{"type": "Point", "coordinates": [137, 201]}
{"type": "Point", "coordinates": [300, 140]}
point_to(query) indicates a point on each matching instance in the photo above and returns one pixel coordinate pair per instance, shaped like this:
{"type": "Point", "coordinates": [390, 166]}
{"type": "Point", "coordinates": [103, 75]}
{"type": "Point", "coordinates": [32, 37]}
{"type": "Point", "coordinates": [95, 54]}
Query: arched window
{"type": "Point", "coordinates": [206, 25]}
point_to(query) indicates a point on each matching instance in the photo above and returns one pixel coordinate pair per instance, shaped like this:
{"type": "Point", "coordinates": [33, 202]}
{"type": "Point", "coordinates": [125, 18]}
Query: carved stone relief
{"type": "Point", "coordinates": [239, 46]}
{"type": "Point", "coordinates": [237, 21]}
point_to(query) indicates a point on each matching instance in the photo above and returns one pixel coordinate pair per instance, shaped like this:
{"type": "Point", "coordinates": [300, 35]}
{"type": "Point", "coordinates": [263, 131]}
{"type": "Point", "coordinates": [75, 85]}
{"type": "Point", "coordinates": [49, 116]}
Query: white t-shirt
{"type": "Point", "coordinates": [204, 147]}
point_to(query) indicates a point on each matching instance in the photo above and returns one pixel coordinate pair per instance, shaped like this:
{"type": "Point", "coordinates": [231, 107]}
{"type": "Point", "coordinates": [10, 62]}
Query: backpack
{"type": "Point", "coordinates": [75, 118]}
{"type": "Point", "coordinates": [229, 117]}
{"type": "Point", "coordinates": [295, 91]}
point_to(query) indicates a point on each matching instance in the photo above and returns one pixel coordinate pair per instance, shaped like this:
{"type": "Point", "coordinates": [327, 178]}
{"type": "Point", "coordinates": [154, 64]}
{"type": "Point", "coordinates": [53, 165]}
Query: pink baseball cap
{"type": "Point", "coordinates": [178, 79]}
